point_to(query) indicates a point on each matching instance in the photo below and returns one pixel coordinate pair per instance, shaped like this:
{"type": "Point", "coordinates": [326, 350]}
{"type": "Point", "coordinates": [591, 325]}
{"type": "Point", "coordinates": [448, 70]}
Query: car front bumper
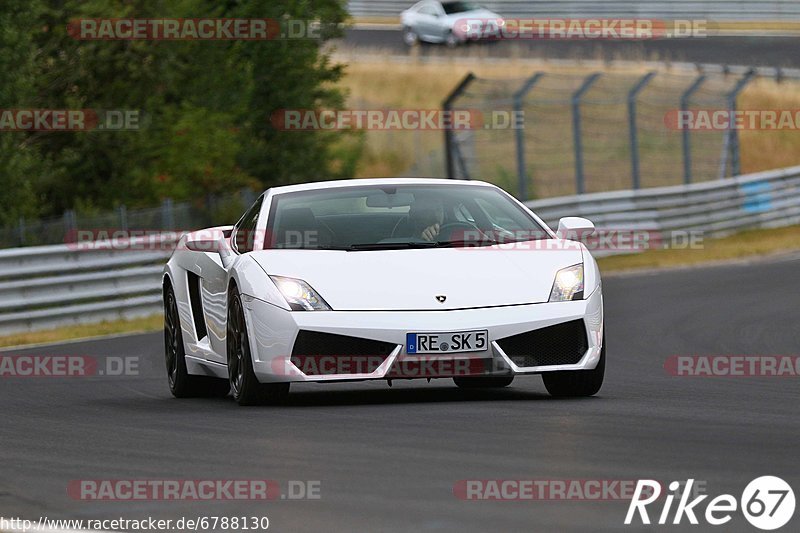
{"type": "Point", "coordinates": [273, 332]}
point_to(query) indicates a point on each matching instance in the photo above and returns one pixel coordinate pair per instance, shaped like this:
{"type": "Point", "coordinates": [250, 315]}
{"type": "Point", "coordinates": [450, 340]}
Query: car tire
{"type": "Point", "coordinates": [410, 37]}
{"type": "Point", "coordinates": [181, 383]}
{"type": "Point", "coordinates": [483, 382]}
{"type": "Point", "coordinates": [244, 384]}
{"type": "Point", "coordinates": [576, 383]}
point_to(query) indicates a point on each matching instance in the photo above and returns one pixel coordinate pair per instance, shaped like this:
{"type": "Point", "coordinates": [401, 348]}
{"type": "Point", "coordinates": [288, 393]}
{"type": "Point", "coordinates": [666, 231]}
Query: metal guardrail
{"type": "Point", "coordinates": [777, 10]}
{"type": "Point", "coordinates": [50, 286]}
{"type": "Point", "coordinates": [44, 287]}
{"type": "Point", "coordinates": [715, 208]}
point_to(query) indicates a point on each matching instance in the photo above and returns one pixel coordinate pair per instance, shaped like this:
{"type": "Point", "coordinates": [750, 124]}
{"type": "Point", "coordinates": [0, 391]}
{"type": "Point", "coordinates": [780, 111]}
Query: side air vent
{"type": "Point", "coordinates": [197, 305]}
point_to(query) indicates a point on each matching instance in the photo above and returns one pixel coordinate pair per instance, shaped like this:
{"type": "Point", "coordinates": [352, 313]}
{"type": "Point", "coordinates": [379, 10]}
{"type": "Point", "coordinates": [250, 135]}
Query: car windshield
{"type": "Point", "coordinates": [385, 217]}
{"type": "Point", "coordinates": [459, 7]}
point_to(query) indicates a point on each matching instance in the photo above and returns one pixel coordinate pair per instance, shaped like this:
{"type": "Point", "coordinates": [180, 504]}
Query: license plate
{"type": "Point", "coordinates": [460, 341]}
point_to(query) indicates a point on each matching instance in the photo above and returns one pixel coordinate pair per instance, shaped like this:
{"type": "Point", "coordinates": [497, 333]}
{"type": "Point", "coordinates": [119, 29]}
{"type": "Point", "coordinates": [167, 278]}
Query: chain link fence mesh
{"type": "Point", "coordinates": [580, 131]}
{"type": "Point", "coordinates": [170, 216]}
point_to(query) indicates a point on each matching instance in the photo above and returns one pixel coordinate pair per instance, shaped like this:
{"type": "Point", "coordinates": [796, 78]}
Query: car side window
{"type": "Point", "coordinates": [245, 231]}
{"type": "Point", "coordinates": [428, 9]}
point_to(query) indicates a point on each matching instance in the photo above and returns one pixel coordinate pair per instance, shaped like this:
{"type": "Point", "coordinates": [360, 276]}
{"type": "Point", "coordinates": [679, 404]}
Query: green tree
{"type": "Point", "coordinates": [20, 166]}
{"type": "Point", "coordinates": [205, 105]}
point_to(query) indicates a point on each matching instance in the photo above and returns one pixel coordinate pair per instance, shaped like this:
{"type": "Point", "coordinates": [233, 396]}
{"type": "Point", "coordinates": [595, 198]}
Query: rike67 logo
{"type": "Point", "coordinates": [767, 503]}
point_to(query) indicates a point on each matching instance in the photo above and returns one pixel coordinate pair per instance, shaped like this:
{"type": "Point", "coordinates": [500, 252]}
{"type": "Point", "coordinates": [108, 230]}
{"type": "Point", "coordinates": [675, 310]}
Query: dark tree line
{"type": "Point", "coordinates": [205, 106]}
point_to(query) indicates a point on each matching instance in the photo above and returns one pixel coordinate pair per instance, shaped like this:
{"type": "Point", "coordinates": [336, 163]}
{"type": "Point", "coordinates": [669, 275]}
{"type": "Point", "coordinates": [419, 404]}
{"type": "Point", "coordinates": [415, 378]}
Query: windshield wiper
{"type": "Point", "coordinates": [456, 243]}
{"type": "Point", "coordinates": [319, 247]}
{"type": "Point", "coordinates": [391, 245]}
{"type": "Point", "coordinates": [467, 243]}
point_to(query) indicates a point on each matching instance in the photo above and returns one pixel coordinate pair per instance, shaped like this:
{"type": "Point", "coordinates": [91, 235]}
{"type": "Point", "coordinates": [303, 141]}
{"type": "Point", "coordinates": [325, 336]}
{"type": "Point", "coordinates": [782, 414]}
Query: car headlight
{"type": "Point", "coordinates": [299, 294]}
{"type": "Point", "coordinates": [568, 285]}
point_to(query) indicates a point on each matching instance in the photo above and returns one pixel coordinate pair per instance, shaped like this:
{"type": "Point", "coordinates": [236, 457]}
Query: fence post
{"type": "Point", "coordinates": [123, 217]}
{"type": "Point", "coordinates": [458, 156]}
{"type": "Point", "coordinates": [685, 141]}
{"type": "Point", "coordinates": [519, 96]}
{"type": "Point", "coordinates": [167, 219]}
{"type": "Point", "coordinates": [447, 106]}
{"type": "Point", "coordinates": [576, 129]}
{"type": "Point", "coordinates": [21, 232]}
{"type": "Point", "coordinates": [248, 197]}
{"type": "Point", "coordinates": [731, 147]}
{"type": "Point", "coordinates": [70, 223]}
{"type": "Point", "coordinates": [632, 95]}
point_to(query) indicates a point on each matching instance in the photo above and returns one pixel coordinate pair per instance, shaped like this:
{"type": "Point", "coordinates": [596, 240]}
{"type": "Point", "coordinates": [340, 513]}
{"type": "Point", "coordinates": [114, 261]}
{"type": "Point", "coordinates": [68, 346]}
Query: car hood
{"type": "Point", "coordinates": [412, 279]}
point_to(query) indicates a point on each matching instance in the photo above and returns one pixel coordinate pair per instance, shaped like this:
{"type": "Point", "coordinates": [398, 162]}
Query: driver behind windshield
{"type": "Point", "coordinates": [426, 216]}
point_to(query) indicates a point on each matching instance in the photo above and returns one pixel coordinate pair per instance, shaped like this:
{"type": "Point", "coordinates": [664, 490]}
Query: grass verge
{"type": "Point", "coordinates": [741, 245]}
{"type": "Point", "coordinates": [151, 323]}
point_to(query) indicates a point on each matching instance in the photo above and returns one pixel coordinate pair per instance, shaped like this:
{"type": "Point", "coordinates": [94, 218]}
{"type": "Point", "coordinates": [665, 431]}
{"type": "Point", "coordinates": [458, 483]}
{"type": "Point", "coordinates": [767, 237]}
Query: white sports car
{"type": "Point", "coordinates": [383, 279]}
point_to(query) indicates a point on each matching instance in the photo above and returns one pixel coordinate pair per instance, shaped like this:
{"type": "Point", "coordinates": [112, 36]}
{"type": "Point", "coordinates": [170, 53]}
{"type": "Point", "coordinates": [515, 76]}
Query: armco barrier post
{"type": "Point", "coordinates": [686, 142]}
{"type": "Point", "coordinates": [519, 98]}
{"type": "Point", "coordinates": [447, 106]}
{"type": "Point", "coordinates": [576, 129]}
{"type": "Point", "coordinates": [632, 95]}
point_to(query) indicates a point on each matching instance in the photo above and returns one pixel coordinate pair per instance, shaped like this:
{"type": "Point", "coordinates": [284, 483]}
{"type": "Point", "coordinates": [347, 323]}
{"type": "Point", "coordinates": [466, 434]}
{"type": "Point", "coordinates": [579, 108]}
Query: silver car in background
{"type": "Point", "coordinates": [434, 22]}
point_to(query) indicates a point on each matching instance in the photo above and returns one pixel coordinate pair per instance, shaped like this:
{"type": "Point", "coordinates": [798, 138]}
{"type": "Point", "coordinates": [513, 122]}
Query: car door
{"type": "Point", "coordinates": [215, 278]}
{"type": "Point", "coordinates": [441, 25]}
{"type": "Point", "coordinates": [429, 23]}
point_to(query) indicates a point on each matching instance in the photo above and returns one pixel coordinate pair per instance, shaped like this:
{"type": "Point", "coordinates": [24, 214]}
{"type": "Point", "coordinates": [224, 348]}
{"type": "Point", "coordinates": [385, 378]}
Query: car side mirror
{"type": "Point", "coordinates": [574, 228]}
{"type": "Point", "coordinates": [206, 245]}
{"type": "Point", "coordinates": [220, 245]}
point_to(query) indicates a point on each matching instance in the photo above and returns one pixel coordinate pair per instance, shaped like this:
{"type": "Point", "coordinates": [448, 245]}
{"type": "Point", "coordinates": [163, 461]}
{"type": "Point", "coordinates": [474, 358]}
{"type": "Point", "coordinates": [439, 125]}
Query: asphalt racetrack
{"type": "Point", "coordinates": [387, 459]}
{"type": "Point", "coordinates": [756, 51]}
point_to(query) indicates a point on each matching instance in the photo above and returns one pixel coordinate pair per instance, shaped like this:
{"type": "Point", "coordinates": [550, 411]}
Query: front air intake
{"type": "Point", "coordinates": [561, 344]}
{"type": "Point", "coordinates": [316, 353]}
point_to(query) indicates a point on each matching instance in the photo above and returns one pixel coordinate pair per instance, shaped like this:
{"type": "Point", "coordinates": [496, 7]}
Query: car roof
{"type": "Point", "coordinates": [356, 182]}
